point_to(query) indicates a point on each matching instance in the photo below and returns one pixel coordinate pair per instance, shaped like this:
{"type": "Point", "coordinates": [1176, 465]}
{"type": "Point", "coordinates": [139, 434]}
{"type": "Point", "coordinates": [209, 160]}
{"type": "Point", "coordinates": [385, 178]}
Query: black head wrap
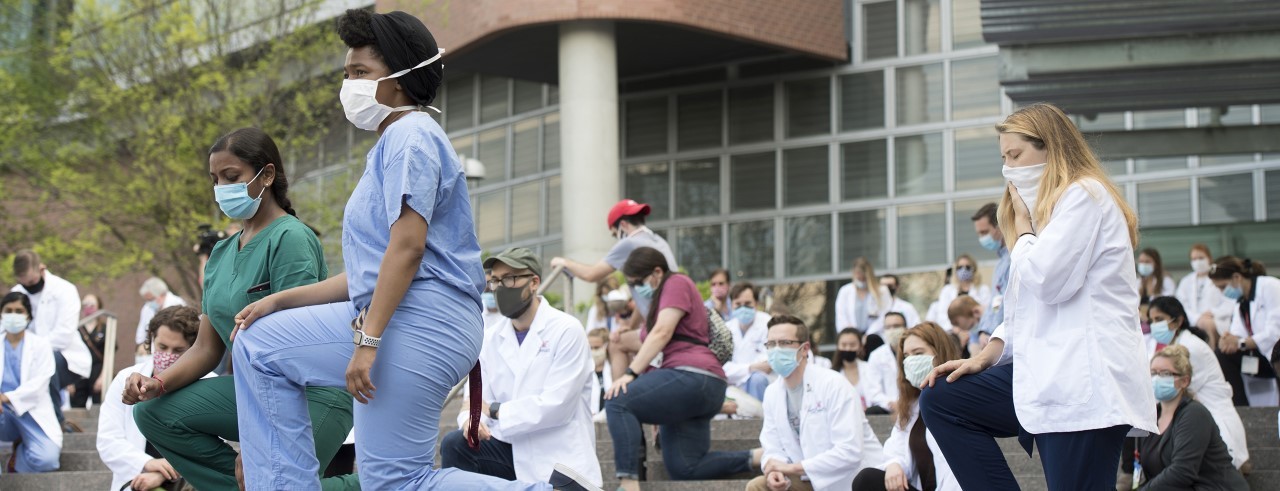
{"type": "Point", "coordinates": [404, 42]}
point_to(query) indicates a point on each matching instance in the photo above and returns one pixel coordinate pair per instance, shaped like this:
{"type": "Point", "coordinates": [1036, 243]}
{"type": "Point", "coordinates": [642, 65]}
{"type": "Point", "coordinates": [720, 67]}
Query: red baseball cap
{"type": "Point", "coordinates": [626, 207]}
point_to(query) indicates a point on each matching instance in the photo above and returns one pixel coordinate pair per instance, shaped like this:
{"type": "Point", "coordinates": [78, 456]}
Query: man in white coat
{"type": "Point", "coordinates": [120, 445]}
{"type": "Point", "coordinates": [537, 371]}
{"type": "Point", "coordinates": [26, 408]}
{"type": "Point", "coordinates": [747, 370]}
{"type": "Point", "coordinates": [882, 367]}
{"type": "Point", "coordinates": [155, 292]}
{"type": "Point", "coordinates": [815, 436]}
{"type": "Point", "coordinates": [55, 305]}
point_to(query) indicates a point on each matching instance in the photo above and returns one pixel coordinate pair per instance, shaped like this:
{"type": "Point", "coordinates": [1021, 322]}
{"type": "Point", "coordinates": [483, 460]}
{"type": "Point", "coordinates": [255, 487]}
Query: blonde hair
{"type": "Point", "coordinates": [873, 282]}
{"type": "Point", "coordinates": [955, 272]}
{"type": "Point", "coordinates": [1069, 160]}
{"type": "Point", "coordinates": [1181, 360]}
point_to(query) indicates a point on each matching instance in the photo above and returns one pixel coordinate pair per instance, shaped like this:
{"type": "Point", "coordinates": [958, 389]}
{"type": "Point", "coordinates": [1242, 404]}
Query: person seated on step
{"type": "Point", "coordinates": [748, 369]}
{"type": "Point", "coordinates": [964, 313]}
{"type": "Point", "coordinates": [26, 407]}
{"type": "Point", "coordinates": [133, 462]}
{"type": "Point", "coordinates": [912, 459]}
{"type": "Point", "coordinates": [815, 435]}
{"type": "Point", "coordinates": [536, 397]}
{"type": "Point", "coordinates": [848, 363]}
{"type": "Point", "coordinates": [882, 367]}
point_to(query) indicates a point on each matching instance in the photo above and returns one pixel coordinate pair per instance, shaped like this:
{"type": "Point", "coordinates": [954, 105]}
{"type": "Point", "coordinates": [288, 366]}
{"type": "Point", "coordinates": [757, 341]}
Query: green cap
{"type": "Point", "coordinates": [518, 258]}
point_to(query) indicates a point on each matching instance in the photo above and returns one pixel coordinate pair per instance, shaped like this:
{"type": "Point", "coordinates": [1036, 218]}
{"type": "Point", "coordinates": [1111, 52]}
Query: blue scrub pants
{"type": "Point", "coordinates": [430, 344]}
{"type": "Point", "coordinates": [37, 453]}
{"type": "Point", "coordinates": [967, 416]}
{"type": "Point", "coordinates": [756, 384]}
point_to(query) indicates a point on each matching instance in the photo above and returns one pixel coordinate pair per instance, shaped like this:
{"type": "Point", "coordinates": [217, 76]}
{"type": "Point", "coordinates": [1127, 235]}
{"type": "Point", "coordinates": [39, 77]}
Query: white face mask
{"type": "Point", "coordinates": [1200, 266]}
{"type": "Point", "coordinates": [361, 105]}
{"type": "Point", "coordinates": [1027, 181]}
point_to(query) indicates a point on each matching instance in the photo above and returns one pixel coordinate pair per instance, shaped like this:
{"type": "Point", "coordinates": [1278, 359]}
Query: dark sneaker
{"type": "Point", "coordinates": [564, 478]}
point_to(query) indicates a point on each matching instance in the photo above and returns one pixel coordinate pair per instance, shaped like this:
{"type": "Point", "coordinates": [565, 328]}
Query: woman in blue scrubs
{"type": "Point", "coordinates": [412, 285]}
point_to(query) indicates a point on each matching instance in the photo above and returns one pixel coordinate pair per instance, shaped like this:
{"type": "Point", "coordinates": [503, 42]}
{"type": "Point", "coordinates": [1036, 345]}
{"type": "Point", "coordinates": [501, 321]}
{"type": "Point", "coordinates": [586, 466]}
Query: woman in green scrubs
{"type": "Point", "coordinates": [186, 418]}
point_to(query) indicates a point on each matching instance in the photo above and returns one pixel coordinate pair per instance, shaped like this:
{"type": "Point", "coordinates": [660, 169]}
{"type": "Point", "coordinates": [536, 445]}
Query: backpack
{"type": "Point", "coordinates": [720, 339]}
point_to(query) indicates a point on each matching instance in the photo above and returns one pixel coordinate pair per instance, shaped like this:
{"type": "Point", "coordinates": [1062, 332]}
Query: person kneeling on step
{"type": "Point", "coordinates": [537, 370]}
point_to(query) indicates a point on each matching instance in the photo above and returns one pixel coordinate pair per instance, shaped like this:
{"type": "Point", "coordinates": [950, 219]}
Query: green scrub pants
{"type": "Point", "coordinates": [188, 427]}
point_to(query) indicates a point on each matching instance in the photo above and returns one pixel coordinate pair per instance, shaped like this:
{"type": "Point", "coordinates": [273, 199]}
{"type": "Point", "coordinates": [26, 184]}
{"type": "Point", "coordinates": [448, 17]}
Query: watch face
{"type": "Point", "coordinates": [356, 337]}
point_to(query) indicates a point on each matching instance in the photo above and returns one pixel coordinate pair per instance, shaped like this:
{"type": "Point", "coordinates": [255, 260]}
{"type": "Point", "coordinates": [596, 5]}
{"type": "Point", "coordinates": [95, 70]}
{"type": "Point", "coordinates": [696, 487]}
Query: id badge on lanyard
{"type": "Point", "coordinates": [1248, 363]}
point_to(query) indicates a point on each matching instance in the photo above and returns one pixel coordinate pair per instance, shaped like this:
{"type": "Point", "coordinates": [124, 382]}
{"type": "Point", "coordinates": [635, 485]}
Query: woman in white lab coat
{"type": "Point", "coordinates": [1153, 281]}
{"type": "Point", "coordinates": [850, 364]}
{"type": "Point", "coordinates": [1250, 342]}
{"type": "Point", "coordinates": [1205, 306]}
{"type": "Point", "coordinates": [1169, 326]}
{"type": "Point", "coordinates": [860, 303]}
{"type": "Point", "coordinates": [121, 446]}
{"type": "Point", "coordinates": [965, 280]}
{"type": "Point", "coordinates": [26, 408]}
{"type": "Point", "coordinates": [912, 457]}
{"type": "Point", "coordinates": [1077, 383]}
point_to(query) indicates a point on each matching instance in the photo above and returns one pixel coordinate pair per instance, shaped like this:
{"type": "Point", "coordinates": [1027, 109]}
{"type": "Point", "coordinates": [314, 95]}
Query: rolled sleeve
{"type": "Point", "coordinates": [412, 180]}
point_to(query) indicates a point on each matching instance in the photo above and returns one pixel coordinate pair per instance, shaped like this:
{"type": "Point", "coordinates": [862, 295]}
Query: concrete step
{"type": "Point", "coordinates": [80, 441]}
{"type": "Point", "coordinates": [724, 485]}
{"type": "Point", "coordinates": [1260, 480]}
{"type": "Point", "coordinates": [70, 460]}
{"type": "Point", "coordinates": [57, 481]}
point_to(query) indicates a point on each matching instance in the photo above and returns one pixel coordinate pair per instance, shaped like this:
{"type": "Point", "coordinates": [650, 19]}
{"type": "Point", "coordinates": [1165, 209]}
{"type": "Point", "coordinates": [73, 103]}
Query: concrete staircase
{"type": "Point", "coordinates": [83, 470]}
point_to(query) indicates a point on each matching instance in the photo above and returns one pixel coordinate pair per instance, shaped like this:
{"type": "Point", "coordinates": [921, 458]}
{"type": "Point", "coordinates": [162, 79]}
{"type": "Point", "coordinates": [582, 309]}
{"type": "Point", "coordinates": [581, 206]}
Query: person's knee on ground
{"type": "Point", "coordinates": [42, 458]}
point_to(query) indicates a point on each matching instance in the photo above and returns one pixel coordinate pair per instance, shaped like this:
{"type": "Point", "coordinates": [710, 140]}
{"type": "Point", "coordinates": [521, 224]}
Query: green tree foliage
{"type": "Point", "coordinates": [109, 117]}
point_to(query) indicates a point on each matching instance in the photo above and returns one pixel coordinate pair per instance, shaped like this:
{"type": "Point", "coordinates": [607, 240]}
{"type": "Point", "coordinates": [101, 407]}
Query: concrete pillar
{"type": "Point", "coordinates": [589, 167]}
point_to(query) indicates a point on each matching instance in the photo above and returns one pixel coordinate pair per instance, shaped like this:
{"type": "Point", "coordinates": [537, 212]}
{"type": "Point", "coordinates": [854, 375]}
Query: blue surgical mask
{"type": "Point", "coordinates": [643, 296]}
{"type": "Point", "coordinates": [988, 242]}
{"type": "Point", "coordinates": [153, 305]}
{"type": "Point", "coordinates": [783, 361]}
{"type": "Point", "coordinates": [490, 301]}
{"type": "Point", "coordinates": [235, 201]}
{"type": "Point", "coordinates": [916, 367]}
{"type": "Point", "coordinates": [1161, 332]}
{"type": "Point", "coordinates": [1164, 388]}
{"type": "Point", "coordinates": [745, 315]}
{"type": "Point", "coordinates": [1232, 292]}
{"type": "Point", "coordinates": [1146, 269]}
{"type": "Point", "coordinates": [14, 323]}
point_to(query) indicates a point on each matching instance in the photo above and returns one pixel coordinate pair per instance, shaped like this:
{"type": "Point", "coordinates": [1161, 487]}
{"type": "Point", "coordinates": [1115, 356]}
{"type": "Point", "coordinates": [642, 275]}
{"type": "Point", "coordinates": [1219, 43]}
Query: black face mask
{"type": "Point", "coordinates": [36, 288]}
{"type": "Point", "coordinates": [847, 356]}
{"type": "Point", "coordinates": [512, 302]}
{"type": "Point", "coordinates": [893, 291]}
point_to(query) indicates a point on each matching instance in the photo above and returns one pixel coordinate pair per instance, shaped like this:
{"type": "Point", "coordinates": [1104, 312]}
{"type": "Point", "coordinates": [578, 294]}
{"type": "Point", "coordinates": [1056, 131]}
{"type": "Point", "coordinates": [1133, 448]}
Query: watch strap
{"type": "Point", "coordinates": [493, 410]}
{"type": "Point", "coordinates": [367, 340]}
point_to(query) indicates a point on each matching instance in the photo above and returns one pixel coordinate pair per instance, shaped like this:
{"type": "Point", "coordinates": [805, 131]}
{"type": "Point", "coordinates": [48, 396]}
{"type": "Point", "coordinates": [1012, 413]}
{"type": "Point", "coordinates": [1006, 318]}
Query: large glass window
{"type": "Point", "coordinates": [975, 92]}
{"type": "Point", "coordinates": [1273, 194]}
{"type": "Point", "coordinates": [698, 120]}
{"type": "Point", "coordinates": [1225, 199]}
{"type": "Point", "coordinates": [460, 97]}
{"type": "Point", "coordinates": [751, 182]}
{"type": "Point", "coordinates": [492, 152]}
{"type": "Point", "coordinates": [919, 98]}
{"type": "Point", "coordinates": [808, 107]}
{"type": "Point", "coordinates": [923, 26]}
{"type": "Point", "coordinates": [698, 250]}
{"type": "Point", "coordinates": [698, 188]}
{"type": "Point", "coordinates": [493, 98]}
{"type": "Point", "coordinates": [526, 205]}
{"type": "Point", "coordinates": [919, 227]}
{"type": "Point", "coordinates": [751, 249]}
{"type": "Point", "coordinates": [966, 24]}
{"type": "Point", "coordinates": [918, 164]}
{"type": "Point", "coordinates": [864, 170]}
{"type": "Point", "coordinates": [524, 148]}
{"type": "Point", "coordinates": [1164, 203]}
{"type": "Point", "coordinates": [1225, 159]}
{"type": "Point", "coordinates": [977, 159]}
{"type": "Point", "coordinates": [751, 114]}
{"type": "Point", "coordinates": [650, 184]}
{"type": "Point", "coordinates": [528, 96]}
{"type": "Point", "coordinates": [491, 218]}
{"type": "Point", "coordinates": [1234, 116]}
{"type": "Point", "coordinates": [551, 141]}
{"type": "Point", "coordinates": [554, 211]}
{"type": "Point", "coordinates": [808, 248]}
{"type": "Point", "coordinates": [1167, 118]}
{"type": "Point", "coordinates": [862, 101]}
{"type": "Point", "coordinates": [805, 176]}
{"type": "Point", "coordinates": [879, 30]}
{"type": "Point", "coordinates": [1153, 164]}
{"type": "Point", "coordinates": [646, 126]}
{"type": "Point", "coordinates": [462, 145]}
{"type": "Point", "coordinates": [862, 234]}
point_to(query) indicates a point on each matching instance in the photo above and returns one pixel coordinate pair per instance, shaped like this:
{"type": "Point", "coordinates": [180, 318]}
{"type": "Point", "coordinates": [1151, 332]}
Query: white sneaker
{"type": "Point", "coordinates": [564, 478]}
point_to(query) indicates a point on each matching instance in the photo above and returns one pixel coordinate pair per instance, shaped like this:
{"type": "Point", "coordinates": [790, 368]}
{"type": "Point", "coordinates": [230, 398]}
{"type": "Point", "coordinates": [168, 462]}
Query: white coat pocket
{"type": "Point", "coordinates": [1059, 364]}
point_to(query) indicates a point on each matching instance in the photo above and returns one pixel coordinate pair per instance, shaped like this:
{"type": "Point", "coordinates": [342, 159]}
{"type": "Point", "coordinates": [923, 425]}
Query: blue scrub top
{"type": "Point", "coordinates": [12, 365]}
{"type": "Point", "coordinates": [414, 164]}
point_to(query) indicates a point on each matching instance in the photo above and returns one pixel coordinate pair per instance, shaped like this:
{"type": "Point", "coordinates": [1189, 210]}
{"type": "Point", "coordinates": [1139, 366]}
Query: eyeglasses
{"type": "Point", "coordinates": [785, 343]}
{"type": "Point", "coordinates": [508, 281]}
{"type": "Point", "coordinates": [1165, 373]}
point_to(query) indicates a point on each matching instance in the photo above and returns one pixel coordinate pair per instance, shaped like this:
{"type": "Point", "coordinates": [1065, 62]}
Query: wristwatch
{"type": "Point", "coordinates": [1244, 345]}
{"type": "Point", "coordinates": [362, 339]}
{"type": "Point", "coordinates": [632, 373]}
{"type": "Point", "coordinates": [493, 410]}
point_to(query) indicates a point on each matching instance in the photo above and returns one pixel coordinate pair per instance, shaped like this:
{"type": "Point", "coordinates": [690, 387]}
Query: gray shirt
{"type": "Point", "coordinates": [642, 238]}
{"type": "Point", "coordinates": [795, 398]}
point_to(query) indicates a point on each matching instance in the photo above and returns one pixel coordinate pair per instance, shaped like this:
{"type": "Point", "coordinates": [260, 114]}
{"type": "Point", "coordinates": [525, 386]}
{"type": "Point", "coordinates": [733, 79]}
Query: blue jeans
{"type": "Point", "coordinates": [430, 344]}
{"type": "Point", "coordinates": [966, 416]}
{"type": "Point", "coordinates": [682, 404]}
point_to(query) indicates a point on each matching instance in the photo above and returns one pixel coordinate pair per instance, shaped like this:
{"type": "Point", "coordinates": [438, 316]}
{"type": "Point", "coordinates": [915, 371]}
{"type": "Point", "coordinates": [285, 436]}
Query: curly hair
{"type": "Point", "coordinates": [401, 41]}
{"type": "Point", "coordinates": [179, 318]}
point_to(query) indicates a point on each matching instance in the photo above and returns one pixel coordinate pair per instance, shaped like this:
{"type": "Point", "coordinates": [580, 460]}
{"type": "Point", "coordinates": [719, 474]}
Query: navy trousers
{"type": "Point", "coordinates": [965, 417]}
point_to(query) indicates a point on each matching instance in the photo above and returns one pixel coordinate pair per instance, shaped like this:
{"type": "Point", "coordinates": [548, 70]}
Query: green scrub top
{"type": "Point", "coordinates": [284, 255]}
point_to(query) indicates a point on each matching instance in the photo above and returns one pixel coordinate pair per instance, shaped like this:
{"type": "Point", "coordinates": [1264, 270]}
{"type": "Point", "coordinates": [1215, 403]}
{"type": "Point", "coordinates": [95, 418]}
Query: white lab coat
{"type": "Point", "coordinates": [938, 310]}
{"type": "Point", "coordinates": [864, 381]}
{"type": "Point", "coordinates": [897, 450]}
{"type": "Point", "coordinates": [748, 347]}
{"type": "Point", "coordinates": [1070, 321]}
{"type": "Point", "coordinates": [1199, 296]}
{"type": "Point", "coordinates": [1212, 390]}
{"type": "Point", "coordinates": [1264, 314]}
{"type": "Point", "coordinates": [120, 445]}
{"type": "Point", "coordinates": [56, 310]}
{"type": "Point", "coordinates": [882, 377]}
{"type": "Point", "coordinates": [490, 318]}
{"type": "Point", "coordinates": [544, 387]}
{"type": "Point", "coordinates": [32, 394]}
{"type": "Point", "coordinates": [147, 313]}
{"type": "Point", "coordinates": [835, 440]}
{"type": "Point", "coordinates": [846, 308]}
{"type": "Point", "coordinates": [901, 306]}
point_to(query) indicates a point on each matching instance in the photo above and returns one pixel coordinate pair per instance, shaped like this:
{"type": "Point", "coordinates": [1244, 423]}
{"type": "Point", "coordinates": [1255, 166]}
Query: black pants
{"type": "Point", "coordinates": [84, 388]}
{"type": "Point", "coordinates": [1231, 371]}
{"type": "Point", "coordinates": [62, 377]}
{"type": "Point", "coordinates": [493, 458]}
{"type": "Point", "coordinates": [872, 479]}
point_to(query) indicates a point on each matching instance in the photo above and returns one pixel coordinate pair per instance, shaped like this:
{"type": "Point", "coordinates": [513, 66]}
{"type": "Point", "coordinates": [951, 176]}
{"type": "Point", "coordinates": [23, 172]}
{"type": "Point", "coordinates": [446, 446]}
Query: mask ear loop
{"type": "Point", "coordinates": [415, 67]}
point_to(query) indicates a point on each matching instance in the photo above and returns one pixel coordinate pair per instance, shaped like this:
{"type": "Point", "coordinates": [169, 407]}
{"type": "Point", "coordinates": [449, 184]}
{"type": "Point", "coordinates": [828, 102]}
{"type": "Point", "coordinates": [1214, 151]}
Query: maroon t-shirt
{"type": "Point", "coordinates": [679, 292]}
